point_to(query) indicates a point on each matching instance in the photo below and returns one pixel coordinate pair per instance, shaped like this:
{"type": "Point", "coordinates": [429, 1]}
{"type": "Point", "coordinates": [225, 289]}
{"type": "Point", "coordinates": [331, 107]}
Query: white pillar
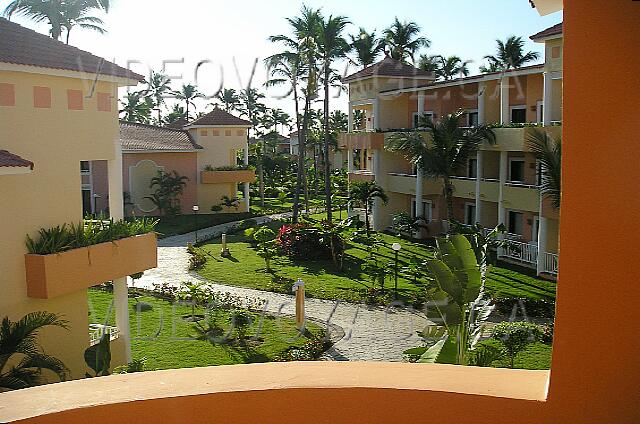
{"type": "Point", "coordinates": [504, 101]}
{"type": "Point", "coordinates": [547, 103]}
{"type": "Point", "coordinates": [479, 176]}
{"type": "Point", "coordinates": [503, 180]}
{"type": "Point", "coordinates": [482, 87]}
{"type": "Point", "coordinates": [419, 191]}
{"type": "Point", "coordinates": [247, 192]}
{"type": "Point", "coordinates": [421, 98]}
{"type": "Point", "coordinates": [114, 170]}
{"type": "Point", "coordinates": [349, 160]}
{"type": "Point", "coordinates": [350, 118]}
{"type": "Point", "coordinates": [377, 204]}
{"type": "Point", "coordinates": [376, 114]}
{"type": "Point", "coordinates": [121, 299]}
{"type": "Point", "coordinates": [542, 242]}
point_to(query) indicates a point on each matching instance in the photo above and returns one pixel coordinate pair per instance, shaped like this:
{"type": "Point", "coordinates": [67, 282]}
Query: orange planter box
{"type": "Point", "coordinates": [219, 177]}
{"type": "Point", "coordinates": [54, 275]}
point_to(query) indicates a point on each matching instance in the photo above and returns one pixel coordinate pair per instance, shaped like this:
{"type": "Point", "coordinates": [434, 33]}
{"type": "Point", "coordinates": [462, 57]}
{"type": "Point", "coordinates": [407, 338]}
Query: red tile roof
{"type": "Point", "coordinates": [142, 137]}
{"type": "Point", "coordinates": [8, 159]}
{"type": "Point", "coordinates": [389, 67]}
{"type": "Point", "coordinates": [219, 117]}
{"type": "Point", "coordinates": [554, 30]}
{"type": "Point", "coordinates": [22, 46]}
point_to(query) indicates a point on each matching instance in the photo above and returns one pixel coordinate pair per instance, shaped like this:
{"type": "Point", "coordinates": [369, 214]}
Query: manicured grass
{"type": "Point", "coordinates": [324, 280]}
{"type": "Point", "coordinates": [272, 205]}
{"type": "Point", "coordinates": [165, 339]}
{"type": "Point", "coordinates": [182, 224]}
{"type": "Point", "coordinates": [536, 356]}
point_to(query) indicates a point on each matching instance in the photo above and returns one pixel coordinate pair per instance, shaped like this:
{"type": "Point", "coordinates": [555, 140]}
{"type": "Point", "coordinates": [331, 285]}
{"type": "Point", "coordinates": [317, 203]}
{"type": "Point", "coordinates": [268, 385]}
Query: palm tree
{"type": "Point", "coordinates": [510, 54]}
{"type": "Point", "coordinates": [549, 152]}
{"type": "Point", "coordinates": [331, 47]}
{"type": "Point", "coordinates": [188, 93]}
{"type": "Point", "coordinates": [19, 340]}
{"type": "Point", "coordinates": [159, 85]}
{"type": "Point", "coordinates": [450, 67]}
{"type": "Point", "coordinates": [136, 108]}
{"type": "Point", "coordinates": [367, 47]}
{"type": "Point", "coordinates": [60, 14]}
{"type": "Point", "coordinates": [429, 63]}
{"type": "Point", "coordinates": [177, 113]}
{"type": "Point", "coordinates": [229, 99]}
{"type": "Point", "coordinates": [492, 67]}
{"type": "Point", "coordinates": [364, 193]}
{"type": "Point", "coordinates": [169, 186]}
{"type": "Point", "coordinates": [252, 108]}
{"type": "Point", "coordinates": [445, 153]}
{"type": "Point", "coordinates": [402, 41]}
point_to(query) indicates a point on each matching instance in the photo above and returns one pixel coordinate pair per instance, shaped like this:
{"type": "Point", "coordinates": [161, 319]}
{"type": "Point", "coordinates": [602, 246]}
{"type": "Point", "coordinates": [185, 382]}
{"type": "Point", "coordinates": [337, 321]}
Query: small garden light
{"type": "Point", "coordinates": [396, 248]}
{"type": "Point", "coordinates": [196, 208]}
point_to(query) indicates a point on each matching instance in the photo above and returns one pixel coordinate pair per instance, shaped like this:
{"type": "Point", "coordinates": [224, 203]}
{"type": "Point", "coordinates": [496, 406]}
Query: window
{"type": "Point", "coordinates": [416, 118]}
{"type": "Point", "coordinates": [470, 213]}
{"type": "Point", "coordinates": [540, 112]}
{"type": "Point", "coordinates": [426, 210]}
{"type": "Point", "coordinates": [86, 202]}
{"type": "Point", "coordinates": [516, 170]}
{"type": "Point", "coordinates": [518, 114]}
{"type": "Point", "coordinates": [472, 118]}
{"type": "Point", "coordinates": [85, 167]}
{"type": "Point", "coordinates": [227, 133]}
{"type": "Point", "coordinates": [204, 133]}
{"type": "Point", "coordinates": [472, 168]}
{"type": "Point", "coordinates": [538, 173]}
{"type": "Point", "coordinates": [515, 223]}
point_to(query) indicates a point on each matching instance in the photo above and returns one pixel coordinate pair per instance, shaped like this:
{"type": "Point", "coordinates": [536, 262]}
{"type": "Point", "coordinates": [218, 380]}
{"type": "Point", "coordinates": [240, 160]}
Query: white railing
{"type": "Point", "coordinates": [96, 331]}
{"type": "Point", "coordinates": [522, 252]}
{"type": "Point", "coordinates": [551, 263]}
{"type": "Point", "coordinates": [514, 237]}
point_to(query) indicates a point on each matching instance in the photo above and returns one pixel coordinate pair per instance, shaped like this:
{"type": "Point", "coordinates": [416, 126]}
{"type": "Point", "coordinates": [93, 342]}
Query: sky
{"type": "Point", "coordinates": [230, 36]}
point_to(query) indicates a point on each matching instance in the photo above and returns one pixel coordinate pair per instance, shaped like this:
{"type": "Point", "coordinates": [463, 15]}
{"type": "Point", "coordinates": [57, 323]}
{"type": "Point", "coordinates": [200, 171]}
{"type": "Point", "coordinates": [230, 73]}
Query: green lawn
{"type": "Point", "coordinates": [182, 224]}
{"type": "Point", "coordinates": [536, 356]}
{"type": "Point", "coordinates": [164, 338]}
{"type": "Point", "coordinates": [272, 206]}
{"type": "Point", "coordinates": [323, 280]}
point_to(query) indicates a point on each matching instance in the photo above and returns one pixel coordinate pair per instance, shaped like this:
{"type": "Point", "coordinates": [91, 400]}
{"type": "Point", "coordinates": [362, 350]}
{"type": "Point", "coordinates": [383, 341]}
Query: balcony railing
{"type": "Point", "coordinates": [519, 251]}
{"type": "Point", "coordinates": [96, 331]}
{"type": "Point", "coordinates": [551, 263]}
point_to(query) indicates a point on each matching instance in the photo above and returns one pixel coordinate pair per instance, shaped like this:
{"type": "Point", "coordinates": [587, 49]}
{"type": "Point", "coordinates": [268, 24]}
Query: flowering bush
{"type": "Point", "coordinates": [306, 242]}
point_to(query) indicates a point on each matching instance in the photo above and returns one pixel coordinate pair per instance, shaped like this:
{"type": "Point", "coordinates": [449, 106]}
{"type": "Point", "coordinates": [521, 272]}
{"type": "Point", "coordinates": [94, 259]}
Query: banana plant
{"type": "Point", "coordinates": [458, 296]}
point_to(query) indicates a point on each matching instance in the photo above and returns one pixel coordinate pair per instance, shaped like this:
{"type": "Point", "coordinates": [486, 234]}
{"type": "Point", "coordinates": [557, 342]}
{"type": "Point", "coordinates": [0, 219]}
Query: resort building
{"type": "Point", "coordinates": [59, 114]}
{"type": "Point", "coordinates": [499, 184]}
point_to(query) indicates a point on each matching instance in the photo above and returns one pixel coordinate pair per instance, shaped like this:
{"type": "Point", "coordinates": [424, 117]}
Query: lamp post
{"type": "Point", "coordinates": [396, 248]}
{"type": "Point", "coordinates": [196, 208]}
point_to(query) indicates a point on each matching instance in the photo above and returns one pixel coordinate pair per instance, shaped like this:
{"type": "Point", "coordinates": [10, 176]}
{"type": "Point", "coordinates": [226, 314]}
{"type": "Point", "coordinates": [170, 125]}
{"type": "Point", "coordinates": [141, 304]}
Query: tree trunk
{"type": "Point", "coordinates": [327, 165]}
{"type": "Point", "coordinates": [366, 217]}
{"type": "Point", "coordinates": [302, 146]}
{"type": "Point", "coordinates": [316, 175]}
{"type": "Point", "coordinates": [301, 170]}
{"type": "Point", "coordinates": [448, 197]}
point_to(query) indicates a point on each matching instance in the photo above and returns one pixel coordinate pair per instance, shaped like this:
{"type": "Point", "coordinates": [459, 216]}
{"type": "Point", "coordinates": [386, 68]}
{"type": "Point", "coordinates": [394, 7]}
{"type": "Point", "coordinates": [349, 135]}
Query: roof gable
{"type": "Point", "coordinates": [389, 67]}
{"type": "Point", "coordinates": [23, 46]}
{"type": "Point", "coordinates": [143, 137]}
{"type": "Point", "coordinates": [8, 159]}
{"type": "Point", "coordinates": [549, 32]}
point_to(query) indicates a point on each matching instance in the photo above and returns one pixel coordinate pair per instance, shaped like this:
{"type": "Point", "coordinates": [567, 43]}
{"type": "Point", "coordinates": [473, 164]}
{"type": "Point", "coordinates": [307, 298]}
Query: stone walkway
{"type": "Point", "coordinates": [371, 333]}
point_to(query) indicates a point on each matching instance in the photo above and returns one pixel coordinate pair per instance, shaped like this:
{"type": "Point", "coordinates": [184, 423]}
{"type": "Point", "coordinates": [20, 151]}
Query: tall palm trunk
{"type": "Point", "coordinates": [327, 165]}
{"type": "Point", "coordinates": [302, 145]}
{"type": "Point", "coordinates": [315, 171]}
{"type": "Point", "coordinates": [447, 191]}
{"type": "Point", "coordinates": [301, 171]}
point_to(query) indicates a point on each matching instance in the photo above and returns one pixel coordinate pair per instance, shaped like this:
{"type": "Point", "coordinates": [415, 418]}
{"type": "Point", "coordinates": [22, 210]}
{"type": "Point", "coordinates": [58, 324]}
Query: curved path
{"type": "Point", "coordinates": [371, 333]}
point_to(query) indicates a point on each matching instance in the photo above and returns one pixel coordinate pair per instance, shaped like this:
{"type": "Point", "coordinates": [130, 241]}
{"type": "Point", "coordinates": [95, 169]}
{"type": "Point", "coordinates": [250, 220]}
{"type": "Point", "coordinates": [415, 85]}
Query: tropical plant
{"type": "Point", "coordinates": [193, 294]}
{"type": "Point", "coordinates": [450, 67]}
{"type": "Point", "coordinates": [429, 63]}
{"type": "Point", "coordinates": [136, 108]}
{"type": "Point", "coordinates": [446, 152]}
{"type": "Point", "coordinates": [159, 85]}
{"type": "Point", "coordinates": [19, 345]}
{"type": "Point", "coordinates": [548, 151]}
{"type": "Point", "coordinates": [402, 40]}
{"type": "Point", "coordinates": [78, 13]}
{"type": "Point", "coordinates": [188, 93]}
{"type": "Point", "coordinates": [403, 223]}
{"type": "Point", "coordinates": [169, 186]}
{"type": "Point", "coordinates": [177, 113]}
{"type": "Point", "coordinates": [367, 47]}
{"type": "Point", "coordinates": [510, 54]}
{"type": "Point", "coordinates": [331, 47]}
{"type": "Point", "coordinates": [515, 336]}
{"type": "Point", "coordinates": [230, 202]}
{"type": "Point", "coordinates": [490, 68]}
{"type": "Point", "coordinates": [98, 357]}
{"type": "Point", "coordinates": [136, 365]}
{"type": "Point", "coordinates": [265, 238]}
{"type": "Point", "coordinates": [253, 108]}
{"type": "Point", "coordinates": [229, 99]}
{"type": "Point", "coordinates": [459, 299]}
{"type": "Point", "coordinates": [364, 193]}
{"type": "Point", "coordinates": [240, 321]}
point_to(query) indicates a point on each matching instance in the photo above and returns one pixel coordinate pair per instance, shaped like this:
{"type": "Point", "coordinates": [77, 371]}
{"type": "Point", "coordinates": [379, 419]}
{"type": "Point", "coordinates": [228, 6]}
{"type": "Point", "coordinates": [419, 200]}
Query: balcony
{"type": "Point", "coordinates": [227, 176]}
{"type": "Point", "coordinates": [515, 139]}
{"type": "Point", "coordinates": [361, 140]}
{"type": "Point", "coordinates": [57, 274]}
{"type": "Point", "coordinates": [466, 188]}
{"type": "Point", "coordinates": [361, 175]}
{"type": "Point", "coordinates": [522, 197]}
{"type": "Point", "coordinates": [406, 184]}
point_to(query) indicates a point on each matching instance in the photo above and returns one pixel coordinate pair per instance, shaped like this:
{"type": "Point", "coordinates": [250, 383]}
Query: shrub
{"type": "Point", "coordinates": [143, 307]}
{"type": "Point", "coordinates": [197, 258]}
{"type": "Point", "coordinates": [137, 365]}
{"type": "Point", "coordinates": [309, 351]}
{"type": "Point", "coordinates": [515, 336]}
{"type": "Point", "coordinates": [533, 307]}
{"type": "Point", "coordinates": [246, 224]}
{"type": "Point", "coordinates": [304, 242]}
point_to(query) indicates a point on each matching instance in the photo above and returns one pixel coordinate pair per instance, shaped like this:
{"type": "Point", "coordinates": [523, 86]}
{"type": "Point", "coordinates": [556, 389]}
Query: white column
{"type": "Point", "coordinates": [247, 192]}
{"type": "Point", "coordinates": [419, 191]}
{"type": "Point", "coordinates": [376, 114]}
{"type": "Point", "coordinates": [349, 160]}
{"type": "Point", "coordinates": [547, 103]}
{"type": "Point", "coordinates": [421, 98]}
{"type": "Point", "coordinates": [350, 118]}
{"type": "Point", "coordinates": [479, 176]}
{"type": "Point", "coordinates": [542, 242]}
{"type": "Point", "coordinates": [377, 204]}
{"type": "Point", "coordinates": [504, 101]}
{"type": "Point", "coordinates": [481, 103]}
{"type": "Point", "coordinates": [120, 286]}
{"type": "Point", "coordinates": [503, 180]}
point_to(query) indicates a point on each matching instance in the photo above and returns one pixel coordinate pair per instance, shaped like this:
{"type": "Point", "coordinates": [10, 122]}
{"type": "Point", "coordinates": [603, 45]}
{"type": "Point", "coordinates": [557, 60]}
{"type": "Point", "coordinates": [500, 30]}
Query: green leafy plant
{"type": "Point", "coordinates": [230, 202]}
{"type": "Point", "coordinates": [227, 168]}
{"type": "Point", "coordinates": [169, 187]}
{"type": "Point", "coordinates": [515, 336]}
{"type": "Point", "coordinates": [364, 193]}
{"type": "Point", "coordinates": [197, 257]}
{"type": "Point", "coordinates": [19, 344]}
{"type": "Point", "coordinates": [216, 208]}
{"type": "Point", "coordinates": [137, 365]}
{"type": "Point", "coordinates": [240, 321]}
{"type": "Point", "coordinates": [88, 233]}
{"type": "Point", "coordinates": [98, 357]}
{"type": "Point", "coordinates": [265, 238]}
{"type": "Point", "coordinates": [194, 294]}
